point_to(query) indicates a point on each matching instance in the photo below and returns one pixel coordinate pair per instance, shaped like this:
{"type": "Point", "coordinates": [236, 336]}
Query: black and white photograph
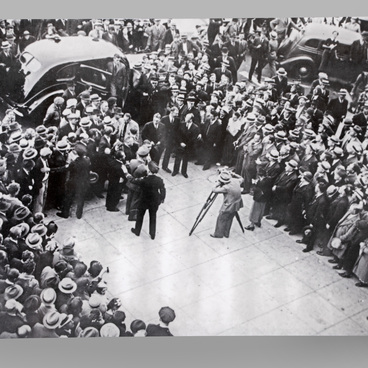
{"type": "Point", "coordinates": [183, 177]}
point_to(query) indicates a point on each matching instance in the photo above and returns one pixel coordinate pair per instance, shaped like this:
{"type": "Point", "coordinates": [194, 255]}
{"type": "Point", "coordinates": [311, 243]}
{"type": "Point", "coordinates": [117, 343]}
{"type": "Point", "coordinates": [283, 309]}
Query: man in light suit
{"type": "Point", "coordinates": [229, 186]}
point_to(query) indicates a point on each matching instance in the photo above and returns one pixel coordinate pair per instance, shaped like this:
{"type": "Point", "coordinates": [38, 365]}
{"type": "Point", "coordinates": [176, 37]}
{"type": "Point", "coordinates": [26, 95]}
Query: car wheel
{"type": "Point", "coordinates": [303, 70]}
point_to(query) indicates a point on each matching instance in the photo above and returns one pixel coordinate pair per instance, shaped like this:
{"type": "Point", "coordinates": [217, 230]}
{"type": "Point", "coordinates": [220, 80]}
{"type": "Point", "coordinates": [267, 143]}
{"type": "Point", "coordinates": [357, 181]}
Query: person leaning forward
{"type": "Point", "coordinates": [229, 186]}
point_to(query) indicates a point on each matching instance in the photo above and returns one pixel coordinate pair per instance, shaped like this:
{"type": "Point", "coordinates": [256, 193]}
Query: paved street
{"type": "Point", "coordinates": [257, 283]}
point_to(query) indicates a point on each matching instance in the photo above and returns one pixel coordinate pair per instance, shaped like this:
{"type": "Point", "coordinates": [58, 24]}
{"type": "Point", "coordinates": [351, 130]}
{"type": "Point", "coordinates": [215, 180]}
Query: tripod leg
{"type": "Point", "coordinates": [239, 221]}
{"type": "Point", "coordinates": [203, 211]}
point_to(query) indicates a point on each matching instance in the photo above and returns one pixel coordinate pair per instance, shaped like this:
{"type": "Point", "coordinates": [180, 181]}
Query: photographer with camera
{"type": "Point", "coordinates": [229, 184]}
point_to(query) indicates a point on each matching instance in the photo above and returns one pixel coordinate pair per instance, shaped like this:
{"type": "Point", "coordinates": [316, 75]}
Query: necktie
{"type": "Point", "coordinates": [188, 125]}
{"type": "Point", "coordinates": [124, 131]}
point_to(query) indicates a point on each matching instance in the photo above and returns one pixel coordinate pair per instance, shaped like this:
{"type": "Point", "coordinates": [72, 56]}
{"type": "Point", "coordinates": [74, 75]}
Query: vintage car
{"type": "Point", "coordinates": [300, 53]}
{"type": "Point", "coordinates": [47, 65]}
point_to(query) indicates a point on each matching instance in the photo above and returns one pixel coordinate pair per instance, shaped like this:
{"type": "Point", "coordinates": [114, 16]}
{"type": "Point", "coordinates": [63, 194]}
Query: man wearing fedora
{"type": "Point", "coordinates": [229, 184]}
{"type": "Point", "coordinates": [338, 107]}
{"type": "Point", "coordinates": [118, 76]}
{"type": "Point", "coordinates": [281, 82]}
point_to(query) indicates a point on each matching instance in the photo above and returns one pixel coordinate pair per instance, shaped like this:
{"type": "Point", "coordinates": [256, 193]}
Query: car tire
{"type": "Point", "coordinates": [303, 70]}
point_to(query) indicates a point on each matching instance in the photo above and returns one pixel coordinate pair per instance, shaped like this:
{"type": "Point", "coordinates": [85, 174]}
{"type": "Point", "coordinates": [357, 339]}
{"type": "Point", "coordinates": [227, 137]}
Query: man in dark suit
{"type": "Point", "coordinates": [118, 77]}
{"type": "Point", "coordinates": [232, 66]}
{"type": "Point", "coordinates": [358, 50]}
{"type": "Point", "coordinates": [361, 120]}
{"type": "Point", "coordinates": [26, 40]}
{"type": "Point", "coordinates": [188, 136]}
{"type": "Point", "coordinates": [116, 174]}
{"type": "Point", "coordinates": [187, 46]}
{"type": "Point", "coordinates": [190, 108]}
{"type": "Point", "coordinates": [170, 34]}
{"type": "Point", "coordinates": [224, 69]}
{"type": "Point", "coordinates": [64, 130]}
{"type": "Point", "coordinates": [167, 315]}
{"type": "Point", "coordinates": [211, 135]}
{"type": "Point", "coordinates": [154, 131]}
{"type": "Point", "coordinates": [70, 91]}
{"type": "Point", "coordinates": [78, 182]}
{"type": "Point", "coordinates": [281, 82]}
{"type": "Point", "coordinates": [171, 123]}
{"type": "Point", "coordinates": [110, 35]}
{"type": "Point", "coordinates": [153, 193]}
{"type": "Point", "coordinates": [283, 191]}
{"type": "Point", "coordinates": [338, 107]}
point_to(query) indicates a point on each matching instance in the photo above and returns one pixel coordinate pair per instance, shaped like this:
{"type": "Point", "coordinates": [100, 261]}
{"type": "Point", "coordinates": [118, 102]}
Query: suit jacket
{"type": "Point", "coordinates": [285, 184]}
{"type": "Point", "coordinates": [118, 74]}
{"type": "Point", "coordinates": [358, 52]}
{"type": "Point", "coordinates": [151, 133]}
{"type": "Point", "coordinates": [155, 37]}
{"type": "Point", "coordinates": [336, 210]}
{"type": "Point", "coordinates": [104, 143]}
{"type": "Point", "coordinates": [64, 131]}
{"type": "Point", "coordinates": [316, 211]}
{"type": "Point", "coordinates": [281, 85]}
{"type": "Point", "coordinates": [157, 330]}
{"type": "Point", "coordinates": [153, 191]}
{"type": "Point", "coordinates": [191, 47]}
{"type": "Point", "coordinates": [189, 137]}
{"type": "Point", "coordinates": [114, 171]}
{"type": "Point", "coordinates": [361, 120]}
{"type": "Point", "coordinates": [171, 130]}
{"type": "Point", "coordinates": [337, 108]}
{"type": "Point", "coordinates": [68, 94]}
{"type": "Point", "coordinates": [219, 72]}
{"type": "Point", "coordinates": [232, 196]}
{"type": "Point", "coordinates": [211, 133]}
{"type": "Point", "coordinates": [110, 37]}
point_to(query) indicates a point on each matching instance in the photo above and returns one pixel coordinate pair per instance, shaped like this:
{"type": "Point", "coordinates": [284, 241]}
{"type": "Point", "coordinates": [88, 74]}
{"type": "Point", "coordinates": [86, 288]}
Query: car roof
{"type": "Point", "coordinates": [50, 53]}
{"type": "Point", "coordinates": [73, 48]}
{"type": "Point", "coordinates": [324, 31]}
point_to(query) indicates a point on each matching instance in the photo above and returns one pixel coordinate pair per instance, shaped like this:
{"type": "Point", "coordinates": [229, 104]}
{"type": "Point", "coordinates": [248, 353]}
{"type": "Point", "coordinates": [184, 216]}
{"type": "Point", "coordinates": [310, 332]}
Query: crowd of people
{"type": "Point", "coordinates": [301, 155]}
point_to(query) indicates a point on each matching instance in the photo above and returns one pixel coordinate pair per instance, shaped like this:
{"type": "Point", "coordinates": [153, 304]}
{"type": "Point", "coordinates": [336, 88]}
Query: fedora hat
{"type": "Point", "coordinates": [14, 148]}
{"type": "Point", "coordinates": [13, 292]}
{"type": "Point", "coordinates": [93, 177]}
{"type": "Point", "coordinates": [224, 177]}
{"type": "Point", "coordinates": [5, 45]}
{"type": "Point", "coordinates": [15, 137]}
{"type": "Point", "coordinates": [24, 144]}
{"type": "Point", "coordinates": [281, 71]}
{"type": "Point", "coordinates": [34, 241]}
{"type": "Point", "coordinates": [39, 229]}
{"type": "Point", "coordinates": [67, 285]}
{"type": "Point", "coordinates": [62, 145]}
{"type": "Point", "coordinates": [29, 154]}
{"type": "Point", "coordinates": [41, 130]}
{"type": "Point", "coordinates": [21, 213]}
{"type": "Point", "coordinates": [48, 296]}
{"type": "Point", "coordinates": [51, 320]}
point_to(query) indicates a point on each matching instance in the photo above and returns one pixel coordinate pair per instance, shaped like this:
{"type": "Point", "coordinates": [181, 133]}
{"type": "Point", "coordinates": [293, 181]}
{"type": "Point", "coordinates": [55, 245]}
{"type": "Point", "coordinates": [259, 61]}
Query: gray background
{"type": "Point", "coordinates": [187, 352]}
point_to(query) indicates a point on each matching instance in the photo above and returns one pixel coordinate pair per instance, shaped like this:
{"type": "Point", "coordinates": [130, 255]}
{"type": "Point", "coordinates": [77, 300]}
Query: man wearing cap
{"type": "Point", "coordinates": [73, 119]}
{"type": "Point", "coordinates": [190, 108]}
{"type": "Point", "coordinates": [188, 137]}
{"type": "Point", "coordinates": [229, 184]}
{"type": "Point", "coordinates": [77, 183]}
{"type": "Point", "coordinates": [167, 315]}
{"type": "Point", "coordinates": [54, 112]}
{"type": "Point", "coordinates": [153, 193]}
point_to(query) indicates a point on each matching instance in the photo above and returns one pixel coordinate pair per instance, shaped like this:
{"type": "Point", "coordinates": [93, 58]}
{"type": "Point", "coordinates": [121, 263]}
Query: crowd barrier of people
{"type": "Point", "coordinates": [302, 156]}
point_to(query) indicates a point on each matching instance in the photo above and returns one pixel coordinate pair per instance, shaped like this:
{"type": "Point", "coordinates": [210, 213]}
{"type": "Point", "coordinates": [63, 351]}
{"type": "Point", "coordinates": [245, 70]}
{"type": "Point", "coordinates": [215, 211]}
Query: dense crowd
{"type": "Point", "coordinates": [302, 156]}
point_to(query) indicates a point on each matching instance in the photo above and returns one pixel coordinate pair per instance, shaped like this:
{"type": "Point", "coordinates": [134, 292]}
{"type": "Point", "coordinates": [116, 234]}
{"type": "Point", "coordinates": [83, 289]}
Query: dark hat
{"type": "Point", "coordinates": [166, 314]}
{"type": "Point", "coordinates": [307, 175]}
{"type": "Point", "coordinates": [153, 167]}
{"type": "Point", "coordinates": [21, 213]}
{"type": "Point", "coordinates": [89, 332]}
{"type": "Point", "coordinates": [191, 98]}
{"type": "Point", "coordinates": [4, 205]}
{"type": "Point", "coordinates": [80, 148]}
{"type": "Point", "coordinates": [224, 49]}
{"type": "Point", "coordinates": [39, 229]}
{"type": "Point", "coordinates": [85, 95]}
{"type": "Point", "coordinates": [39, 143]}
{"type": "Point", "coordinates": [32, 303]}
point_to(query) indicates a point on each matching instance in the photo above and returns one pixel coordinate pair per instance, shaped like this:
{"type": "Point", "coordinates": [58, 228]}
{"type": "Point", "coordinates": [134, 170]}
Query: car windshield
{"type": "Point", "coordinates": [29, 62]}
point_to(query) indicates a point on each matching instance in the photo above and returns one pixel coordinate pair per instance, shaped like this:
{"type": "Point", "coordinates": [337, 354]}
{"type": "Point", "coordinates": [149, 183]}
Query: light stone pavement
{"type": "Point", "coordinates": [256, 283]}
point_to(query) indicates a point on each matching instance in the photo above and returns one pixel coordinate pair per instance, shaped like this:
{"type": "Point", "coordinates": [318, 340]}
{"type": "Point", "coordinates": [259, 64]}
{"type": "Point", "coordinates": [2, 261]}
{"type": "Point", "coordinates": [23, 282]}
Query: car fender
{"type": "Point", "coordinates": [289, 63]}
{"type": "Point", "coordinates": [39, 101]}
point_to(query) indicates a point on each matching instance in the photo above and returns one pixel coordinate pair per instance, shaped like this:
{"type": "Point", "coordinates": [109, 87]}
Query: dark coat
{"type": "Point", "coordinates": [157, 330]}
{"type": "Point", "coordinates": [285, 184]}
{"type": "Point", "coordinates": [171, 130]}
{"type": "Point", "coordinates": [153, 191]}
{"type": "Point", "coordinates": [152, 134]}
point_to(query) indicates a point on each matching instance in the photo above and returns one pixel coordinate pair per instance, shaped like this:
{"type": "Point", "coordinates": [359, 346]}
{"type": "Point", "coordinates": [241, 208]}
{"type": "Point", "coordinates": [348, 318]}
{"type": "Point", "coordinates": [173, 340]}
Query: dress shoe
{"type": "Point", "coordinates": [300, 241]}
{"type": "Point", "coordinates": [332, 261]}
{"type": "Point", "coordinates": [306, 250]}
{"type": "Point", "coordinates": [133, 231]}
{"type": "Point", "coordinates": [112, 209]}
{"type": "Point", "coordinates": [214, 236]}
{"type": "Point", "coordinates": [258, 224]}
{"type": "Point", "coordinates": [345, 275]}
{"type": "Point", "coordinates": [361, 284]}
{"type": "Point", "coordinates": [278, 224]}
{"type": "Point", "coordinates": [205, 167]}
{"type": "Point", "coordinates": [99, 195]}
{"type": "Point", "coordinates": [60, 214]}
{"type": "Point", "coordinates": [245, 192]}
{"type": "Point", "coordinates": [269, 217]}
{"type": "Point", "coordinates": [293, 232]}
{"type": "Point", "coordinates": [337, 267]}
{"type": "Point", "coordinates": [152, 237]}
{"type": "Point", "coordinates": [185, 176]}
{"type": "Point", "coordinates": [167, 170]}
{"type": "Point", "coordinates": [198, 163]}
{"type": "Point", "coordinates": [249, 227]}
{"type": "Point", "coordinates": [174, 173]}
{"type": "Point", "coordinates": [320, 252]}
{"type": "Point", "coordinates": [286, 229]}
